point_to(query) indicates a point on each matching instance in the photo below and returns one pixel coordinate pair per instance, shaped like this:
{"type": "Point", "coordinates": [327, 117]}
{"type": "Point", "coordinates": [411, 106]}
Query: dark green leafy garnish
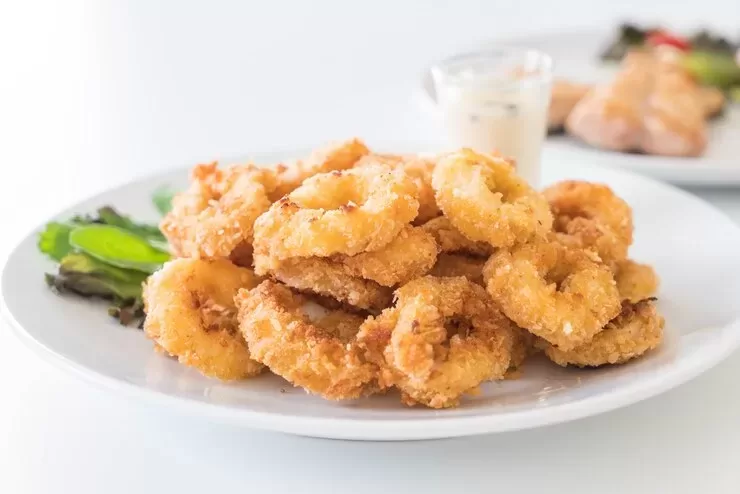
{"type": "Point", "coordinates": [706, 41]}
{"type": "Point", "coordinates": [150, 233]}
{"type": "Point", "coordinates": [117, 247]}
{"type": "Point", "coordinates": [106, 255]}
{"type": "Point", "coordinates": [54, 240]}
{"type": "Point", "coordinates": [630, 36]}
{"type": "Point", "coordinates": [86, 276]}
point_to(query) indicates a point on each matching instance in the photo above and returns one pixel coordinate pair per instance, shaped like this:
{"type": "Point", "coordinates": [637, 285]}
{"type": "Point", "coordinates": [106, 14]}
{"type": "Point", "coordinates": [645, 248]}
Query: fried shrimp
{"type": "Point", "coordinates": [450, 240]}
{"type": "Point", "coordinates": [441, 340]}
{"type": "Point", "coordinates": [342, 212]}
{"type": "Point", "coordinates": [358, 280]}
{"type": "Point", "coordinates": [325, 277]}
{"type": "Point", "coordinates": [410, 255]}
{"type": "Point", "coordinates": [637, 329]}
{"type": "Point", "coordinates": [591, 216]}
{"type": "Point", "coordinates": [583, 233]}
{"type": "Point", "coordinates": [320, 356]}
{"type": "Point", "coordinates": [215, 216]}
{"type": "Point", "coordinates": [335, 156]}
{"type": "Point", "coordinates": [191, 315]}
{"type": "Point", "coordinates": [487, 201]}
{"type": "Point", "coordinates": [635, 281]}
{"type": "Point", "coordinates": [559, 294]}
{"type": "Point", "coordinates": [459, 265]}
{"type": "Point", "coordinates": [420, 169]}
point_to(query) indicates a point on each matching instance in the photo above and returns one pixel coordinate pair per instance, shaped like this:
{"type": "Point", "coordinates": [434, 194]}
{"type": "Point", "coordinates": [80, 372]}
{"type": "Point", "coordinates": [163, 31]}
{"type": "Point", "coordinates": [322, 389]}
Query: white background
{"type": "Point", "coordinates": [94, 94]}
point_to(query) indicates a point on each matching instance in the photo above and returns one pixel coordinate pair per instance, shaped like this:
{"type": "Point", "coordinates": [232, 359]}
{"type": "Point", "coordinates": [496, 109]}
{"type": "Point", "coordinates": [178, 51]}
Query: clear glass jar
{"type": "Point", "coordinates": [496, 101]}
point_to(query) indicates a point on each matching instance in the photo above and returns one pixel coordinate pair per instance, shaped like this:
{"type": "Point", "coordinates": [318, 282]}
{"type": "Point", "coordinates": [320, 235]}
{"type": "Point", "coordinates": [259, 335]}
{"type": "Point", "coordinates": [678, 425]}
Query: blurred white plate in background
{"type": "Point", "coordinates": [576, 57]}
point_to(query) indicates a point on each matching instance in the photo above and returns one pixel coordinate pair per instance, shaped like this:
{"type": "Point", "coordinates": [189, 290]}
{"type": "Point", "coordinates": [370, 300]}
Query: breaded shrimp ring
{"type": "Point", "coordinates": [558, 294]}
{"type": "Point", "coordinates": [592, 216]}
{"type": "Point", "coordinates": [459, 265]}
{"type": "Point", "coordinates": [487, 201]}
{"type": "Point", "coordinates": [420, 169]}
{"type": "Point", "coordinates": [584, 233]}
{"type": "Point", "coordinates": [450, 240]}
{"type": "Point", "coordinates": [190, 314]}
{"type": "Point", "coordinates": [410, 255]}
{"type": "Point", "coordinates": [442, 339]}
{"type": "Point", "coordinates": [635, 281]}
{"type": "Point", "coordinates": [637, 329]}
{"type": "Point", "coordinates": [358, 280]}
{"type": "Point", "coordinates": [342, 212]}
{"type": "Point", "coordinates": [325, 277]}
{"type": "Point", "coordinates": [322, 360]}
{"type": "Point", "coordinates": [335, 156]}
{"type": "Point", "coordinates": [216, 215]}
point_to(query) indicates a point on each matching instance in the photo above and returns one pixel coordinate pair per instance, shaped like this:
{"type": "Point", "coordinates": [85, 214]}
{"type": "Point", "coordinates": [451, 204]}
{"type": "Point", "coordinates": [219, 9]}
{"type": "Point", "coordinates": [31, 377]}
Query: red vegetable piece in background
{"type": "Point", "coordinates": [657, 38]}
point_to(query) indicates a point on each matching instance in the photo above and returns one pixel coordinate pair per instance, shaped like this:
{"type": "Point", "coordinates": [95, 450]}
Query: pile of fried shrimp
{"type": "Point", "coordinates": [350, 273]}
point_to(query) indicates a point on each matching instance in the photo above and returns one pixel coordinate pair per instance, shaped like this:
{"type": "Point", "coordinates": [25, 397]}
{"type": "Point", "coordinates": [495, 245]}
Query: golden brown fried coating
{"type": "Point", "coordinates": [637, 329]}
{"type": "Point", "coordinates": [335, 156]}
{"type": "Point", "coordinates": [216, 215]}
{"type": "Point", "coordinates": [325, 277]}
{"type": "Point", "coordinates": [190, 314]}
{"type": "Point", "coordinates": [635, 281]}
{"type": "Point", "coordinates": [342, 212]}
{"type": "Point", "coordinates": [324, 360]}
{"type": "Point", "coordinates": [420, 169]}
{"type": "Point", "coordinates": [559, 294]}
{"type": "Point", "coordinates": [524, 347]}
{"type": "Point", "coordinates": [459, 265]}
{"type": "Point", "coordinates": [441, 340]}
{"type": "Point", "coordinates": [450, 240]}
{"type": "Point", "coordinates": [487, 201]}
{"type": "Point", "coordinates": [410, 255]}
{"type": "Point", "coordinates": [591, 216]}
{"type": "Point", "coordinates": [358, 280]}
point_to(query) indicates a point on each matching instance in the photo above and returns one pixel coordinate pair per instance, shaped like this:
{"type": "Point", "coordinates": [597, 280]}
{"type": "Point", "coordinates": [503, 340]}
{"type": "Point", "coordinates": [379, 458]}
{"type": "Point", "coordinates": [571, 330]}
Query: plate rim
{"type": "Point", "coordinates": [699, 176]}
{"type": "Point", "coordinates": [726, 340]}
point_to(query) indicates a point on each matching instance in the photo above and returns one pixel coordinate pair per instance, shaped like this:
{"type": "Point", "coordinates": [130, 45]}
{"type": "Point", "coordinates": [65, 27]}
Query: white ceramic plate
{"type": "Point", "coordinates": [576, 57]}
{"type": "Point", "coordinates": [693, 247]}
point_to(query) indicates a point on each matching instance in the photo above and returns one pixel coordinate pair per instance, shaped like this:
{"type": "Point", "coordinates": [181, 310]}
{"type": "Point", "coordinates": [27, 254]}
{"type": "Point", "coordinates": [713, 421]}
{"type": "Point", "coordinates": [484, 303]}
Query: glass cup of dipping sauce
{"type": "Point", "coordinates": [497, 100]}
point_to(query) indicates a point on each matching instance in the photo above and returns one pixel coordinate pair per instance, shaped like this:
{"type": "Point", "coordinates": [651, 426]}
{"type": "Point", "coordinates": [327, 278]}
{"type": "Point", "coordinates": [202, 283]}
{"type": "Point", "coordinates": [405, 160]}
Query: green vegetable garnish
{"type": "Point", "coordinates": [713, 69]}
{"type": "Point", "coordinates": [54, 240]}
{"type": "Point", "coordinates": [85, 275]}
{"type": "Point", "coordinates": [162, 199]}
{"type": "Point", "coordinates": [79, 263]}
{"type": "Point", "coordinates": [150, 233]}
{"type": "Point", "coordinates": [117, 247]}
{"type": "Point", "coordinates": [107, 255]}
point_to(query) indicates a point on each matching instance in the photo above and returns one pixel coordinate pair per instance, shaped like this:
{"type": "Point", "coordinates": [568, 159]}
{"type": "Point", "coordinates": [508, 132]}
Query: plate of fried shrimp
{"type": "Point", "coordinates": [382, 294]}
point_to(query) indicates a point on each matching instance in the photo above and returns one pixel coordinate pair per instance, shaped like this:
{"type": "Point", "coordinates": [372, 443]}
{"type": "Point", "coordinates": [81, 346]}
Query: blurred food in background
{"type": "Point", "coordinates": [710, 58]}
{"type": "Point", "coordinates": [659, 101]}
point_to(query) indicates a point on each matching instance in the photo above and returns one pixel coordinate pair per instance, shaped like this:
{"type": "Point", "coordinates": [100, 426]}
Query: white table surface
{"type": "Point", "coordinates": [94, 94]}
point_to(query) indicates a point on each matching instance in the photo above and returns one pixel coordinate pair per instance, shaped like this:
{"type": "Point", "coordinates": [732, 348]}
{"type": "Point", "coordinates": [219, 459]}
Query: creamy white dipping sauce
{"type": "Point", "coordinates": [513, 124]}
{"type": "Point", "coordinates": [497, 104]}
